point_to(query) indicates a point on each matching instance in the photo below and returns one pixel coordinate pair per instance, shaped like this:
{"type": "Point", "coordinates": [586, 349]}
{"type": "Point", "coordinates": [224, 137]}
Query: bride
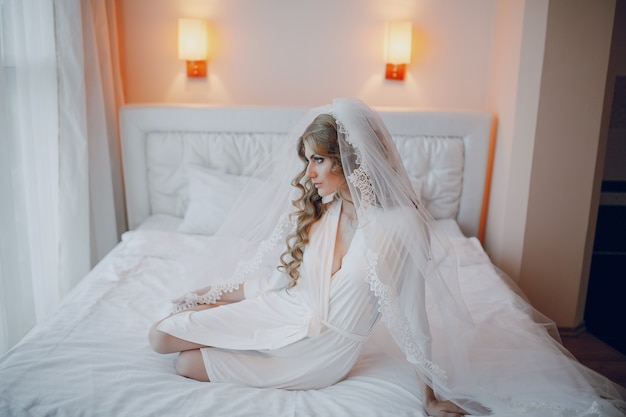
{"type": "Point", "coordinates": [343, 245]}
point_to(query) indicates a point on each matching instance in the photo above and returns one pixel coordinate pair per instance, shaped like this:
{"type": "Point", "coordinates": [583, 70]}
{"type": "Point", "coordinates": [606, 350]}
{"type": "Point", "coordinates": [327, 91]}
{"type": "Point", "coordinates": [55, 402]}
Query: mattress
{"type": "Point", "coordinates": [92, 357]}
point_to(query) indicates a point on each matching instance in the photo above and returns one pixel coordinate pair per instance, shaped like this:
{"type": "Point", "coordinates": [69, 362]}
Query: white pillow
{"type": "Point", "coordinates": [211, 196]}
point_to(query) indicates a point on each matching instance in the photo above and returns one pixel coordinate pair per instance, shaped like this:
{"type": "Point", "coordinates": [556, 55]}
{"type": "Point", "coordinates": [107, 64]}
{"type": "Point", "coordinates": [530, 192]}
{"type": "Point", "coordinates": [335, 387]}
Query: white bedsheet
{"type": "Point", "coordinates": [92, 357]}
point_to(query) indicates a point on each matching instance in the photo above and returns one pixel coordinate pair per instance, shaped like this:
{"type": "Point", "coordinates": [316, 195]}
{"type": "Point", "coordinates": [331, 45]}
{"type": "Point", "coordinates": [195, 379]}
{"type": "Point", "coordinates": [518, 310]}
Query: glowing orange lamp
{"type": "Point", "coordinates": [193, 45]}
{"type": "Point", "coordinates": [398, 49]}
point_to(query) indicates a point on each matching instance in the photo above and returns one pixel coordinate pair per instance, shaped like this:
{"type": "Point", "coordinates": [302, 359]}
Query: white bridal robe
{"type": "Point", "coordinates": [310, 336]}
{"type": "Point", "coordinates": [305, 337]}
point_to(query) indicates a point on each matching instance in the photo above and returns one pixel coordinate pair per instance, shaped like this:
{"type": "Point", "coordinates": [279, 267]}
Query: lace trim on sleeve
{"type": "Point", "coordinates": [193, 299]}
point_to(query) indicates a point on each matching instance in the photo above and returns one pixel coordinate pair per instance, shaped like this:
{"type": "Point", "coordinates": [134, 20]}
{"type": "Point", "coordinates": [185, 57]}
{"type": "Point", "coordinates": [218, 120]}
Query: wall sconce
{"type": "Point", "coordinates": [397, 49]}
{"type": "Point", "coordinates": [193, 45]}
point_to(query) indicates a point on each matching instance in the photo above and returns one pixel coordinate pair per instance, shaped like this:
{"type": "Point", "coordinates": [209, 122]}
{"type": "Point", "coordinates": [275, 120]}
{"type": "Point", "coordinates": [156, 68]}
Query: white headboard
{"type": "Point", "coordinates": [447, 153]}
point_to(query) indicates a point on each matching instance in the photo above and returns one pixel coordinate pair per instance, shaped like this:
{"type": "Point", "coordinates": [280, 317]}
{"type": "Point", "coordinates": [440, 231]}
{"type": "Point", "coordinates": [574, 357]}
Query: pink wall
{"type": "Point", "coordinates": [281, 52]}
{"type": "Point", "coordinates": [479, 55]}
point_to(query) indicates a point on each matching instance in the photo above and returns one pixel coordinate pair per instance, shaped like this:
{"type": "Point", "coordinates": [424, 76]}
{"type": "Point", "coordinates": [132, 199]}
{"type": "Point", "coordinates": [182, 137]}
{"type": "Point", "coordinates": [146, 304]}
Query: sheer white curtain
{"type": "Point", "coordinates": [61, 198]}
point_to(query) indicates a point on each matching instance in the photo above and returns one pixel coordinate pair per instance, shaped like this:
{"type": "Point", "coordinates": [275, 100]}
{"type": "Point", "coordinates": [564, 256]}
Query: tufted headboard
{"type": "Point", "coordinates": [447, 154]}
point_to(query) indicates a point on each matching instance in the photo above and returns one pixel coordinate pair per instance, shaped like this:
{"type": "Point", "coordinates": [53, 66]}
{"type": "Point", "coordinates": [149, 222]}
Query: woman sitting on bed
{"type": "Point", "coordinates": [359, 246]}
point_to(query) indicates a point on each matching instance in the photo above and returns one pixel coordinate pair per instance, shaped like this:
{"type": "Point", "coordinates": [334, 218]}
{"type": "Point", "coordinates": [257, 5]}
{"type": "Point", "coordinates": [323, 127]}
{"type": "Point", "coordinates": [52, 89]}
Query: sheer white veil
{"type": "Point", "coordinates": [412, 265]}
{"type": "Point", "coordinates": [412, 270]}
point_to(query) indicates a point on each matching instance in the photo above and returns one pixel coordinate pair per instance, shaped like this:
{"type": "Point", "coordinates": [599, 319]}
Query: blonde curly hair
{"type": "Point", "coordinates": [321, 136]}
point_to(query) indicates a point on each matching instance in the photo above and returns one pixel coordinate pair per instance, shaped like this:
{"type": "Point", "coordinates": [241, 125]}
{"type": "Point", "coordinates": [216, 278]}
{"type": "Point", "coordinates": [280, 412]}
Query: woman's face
{"type": "Point", "coordinates": [319, 171]}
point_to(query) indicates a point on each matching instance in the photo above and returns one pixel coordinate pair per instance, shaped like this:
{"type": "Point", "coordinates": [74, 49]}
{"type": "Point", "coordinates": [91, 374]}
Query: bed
{"type": "Point", "coordinates": [92, 357]}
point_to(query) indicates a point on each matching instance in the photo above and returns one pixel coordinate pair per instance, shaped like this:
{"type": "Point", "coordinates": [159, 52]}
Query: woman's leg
{"type": "Point", "coordinates": [191, 365]}
{"type": "Point", "coordinates": [163, 342]}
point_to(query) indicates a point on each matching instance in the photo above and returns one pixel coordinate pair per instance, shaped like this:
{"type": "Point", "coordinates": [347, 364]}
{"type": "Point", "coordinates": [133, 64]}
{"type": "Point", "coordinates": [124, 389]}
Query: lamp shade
{"type": "Point", "coordinates": [398, 43]}
{"type": "Point", "coordinates": [192, 39]}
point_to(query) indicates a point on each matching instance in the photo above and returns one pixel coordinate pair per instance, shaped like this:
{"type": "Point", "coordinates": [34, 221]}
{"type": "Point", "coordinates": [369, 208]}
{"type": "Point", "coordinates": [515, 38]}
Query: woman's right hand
{"type": "Point", "coordinates": [183, 298]}
{"type": "Point", "coordinates": [205, 296]}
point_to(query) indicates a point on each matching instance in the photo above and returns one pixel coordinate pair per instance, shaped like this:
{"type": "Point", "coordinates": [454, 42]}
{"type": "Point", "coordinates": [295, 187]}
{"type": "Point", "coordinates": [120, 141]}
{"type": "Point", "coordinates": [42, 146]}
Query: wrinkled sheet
{"type": "Point", "coordinates": [92, 357]}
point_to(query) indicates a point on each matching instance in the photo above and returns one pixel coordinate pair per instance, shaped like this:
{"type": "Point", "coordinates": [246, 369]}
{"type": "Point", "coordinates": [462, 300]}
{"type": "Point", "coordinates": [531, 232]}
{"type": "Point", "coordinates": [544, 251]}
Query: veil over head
{"type": "Point", "coordinates": [411, 270]}
{"type": "Point", "coordinates": [412, 267]}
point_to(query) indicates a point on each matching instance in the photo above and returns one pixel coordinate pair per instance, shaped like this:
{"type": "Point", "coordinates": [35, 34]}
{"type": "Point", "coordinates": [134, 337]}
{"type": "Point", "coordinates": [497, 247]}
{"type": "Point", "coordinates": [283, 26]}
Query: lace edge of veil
{"type": "Point", "coordinates": [393, 320]}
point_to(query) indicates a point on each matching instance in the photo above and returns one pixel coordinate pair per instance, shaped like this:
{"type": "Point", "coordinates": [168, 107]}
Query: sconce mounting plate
{"type": "Point", "coordinates": [196, 68]}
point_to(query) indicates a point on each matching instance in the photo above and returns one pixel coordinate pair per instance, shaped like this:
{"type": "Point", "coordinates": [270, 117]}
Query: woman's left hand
{"type": "Point", "coordinates": [436, 408]}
